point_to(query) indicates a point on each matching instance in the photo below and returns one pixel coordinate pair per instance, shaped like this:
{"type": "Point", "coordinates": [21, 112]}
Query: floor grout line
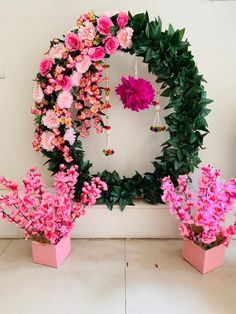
{"type": "Point", "coordinates": [5, 248]}
{"type": "Point", "coordinates": [125, 265]}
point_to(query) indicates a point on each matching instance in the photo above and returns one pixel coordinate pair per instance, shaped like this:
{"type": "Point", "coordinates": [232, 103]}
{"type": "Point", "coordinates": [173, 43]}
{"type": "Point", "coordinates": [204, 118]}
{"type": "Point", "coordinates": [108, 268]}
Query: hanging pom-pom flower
{"type": "Point", "coordinates": [135, 93]}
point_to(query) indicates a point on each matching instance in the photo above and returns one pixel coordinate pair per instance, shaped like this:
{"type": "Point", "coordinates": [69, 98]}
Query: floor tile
{"type": "Point", "coordinates": [159, 281]}
{"type": "Point", "coordinates": [91, 280]}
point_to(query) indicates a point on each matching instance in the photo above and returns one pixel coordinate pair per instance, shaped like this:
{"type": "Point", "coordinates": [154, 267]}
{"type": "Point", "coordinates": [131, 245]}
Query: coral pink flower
{"type": "Point", "coordinates": [45, 66]}
{"type": "Point", "coordinates": [64, 100]}
{"type": "Point", "coordinates": [104, 23]}
{"type": "Point", "coordinates": [47, 139]}
{"type": "Point", "coordinates": [70, 136]}
{"type": "Point", "coordinates": [56, 52]}
{"type": "Point", "coordinates": [124, 36]}
{"type": "Point", "coordinates": [37, 93]}
{"type": "Point", "coordinates": [111, 45]}
{"type": "Point", "coordinates": [72, 41]}
{"type": "Point", "coordinates": [75, 78]}
{"type": "Point", "coordinates": [83, 65]}
{"type": "Point", "coordinates": [99, 54]}
{"type": "Point", "coordinates": [51, 120]}
{"type": "Point", "coordinates": [87, 31]}
{"type": "Point", "coordinates": [64, 82]}
{"type": "Point", "coordinates": [122, 19]}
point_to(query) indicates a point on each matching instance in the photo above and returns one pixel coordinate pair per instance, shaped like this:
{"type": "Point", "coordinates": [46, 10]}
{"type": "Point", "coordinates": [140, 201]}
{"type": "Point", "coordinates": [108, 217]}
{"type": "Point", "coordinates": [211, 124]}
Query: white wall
{"type": "Point", "coordinates": [26, 28]}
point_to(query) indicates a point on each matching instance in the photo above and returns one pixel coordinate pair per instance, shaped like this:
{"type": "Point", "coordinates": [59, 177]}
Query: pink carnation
{"type": "Point", "coordinates": [124, 36]}
{"type": "Point", "coordinates": [64, 100]}
{"type": "Point", "coordinates": [83, 65]}
{"type": "Point", "coordinates": [51, 120]}
{"type": "Point", "coordinates": [75, 78]}
{"type": "Point", "coordinates": [65, 83]}
{"type": "Point", "coordinates": [99, 54]}
{"type": "Point", "coordinates": [87, 31]}
{"type": "Point", "coordinates": [56, 52]}
{"type": "Point", "coordinates": [136, 94]}
{"type": "Point", "coordinates": [70, 136]}
{"type": "Point", "coordinates": [47, 139]}
{"type": "Point", "coordinates": [72, 41]}
{"type": "Point", "coordinates": [122, 19]}
{"type": "Point", "coordinates": [37, 93]}
{"type": "Point", "coordinates": [111, 45]}
{"type": "Point", "coordinates": [104, 23]}
{"type": "Point", "coordinates": [45, 66]}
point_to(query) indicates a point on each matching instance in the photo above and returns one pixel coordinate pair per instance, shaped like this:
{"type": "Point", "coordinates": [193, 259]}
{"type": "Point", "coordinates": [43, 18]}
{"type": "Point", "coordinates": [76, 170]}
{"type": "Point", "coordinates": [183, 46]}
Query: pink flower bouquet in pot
{"type": "Point", "coordinates": [48, 218]}
{"type": "Point", "coordinates": [202, 221]}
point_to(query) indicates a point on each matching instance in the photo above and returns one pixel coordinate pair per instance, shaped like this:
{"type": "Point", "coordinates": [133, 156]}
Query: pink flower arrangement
{"type": "Point", "coordinates": [57, 51]}
{"type": "Point", "coordinates": [124, 37]}
{"type": "Point", "coordinates": [47, 141]}
{"type": "Point", "coordinates": [98, 54]}
{"type": "Point", "coordinates": [45, 66]}
{"type": "Point", "coordinates": [64, 82]}
{"type": "Point", "coordinates": [70, 136]}
{"type": "Point", "coordinates": [111, 45]}
{"type": "Point", "coordinates": [136, 94]}
{"type": "Point", "coordinates": [64, 100]}
{"type": "Point", "coordinates": [122, 19]}
{"type": "Point", "coordinates": [202, 221]}
{"type": "Point", "coordinates": [51, 120]}
{"type": "Point", "coordinates": [83, 64]}
{"type": "Point", "coordinates": [87, 31]}
{"type": "Point", "coordinates": [72, 41]}
{"type": "Point", "coordinates": [47, 217]}
{"type": "Point", "coordinates": [104, 23]}
{"type": "Point", "coordinates": [38, 94]}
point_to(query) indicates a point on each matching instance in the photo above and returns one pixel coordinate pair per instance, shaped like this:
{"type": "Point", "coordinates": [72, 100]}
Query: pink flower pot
{"type": "Point", "coordinates": [49, 254]}
{"type": "Point", "coordinates": [203, 260]}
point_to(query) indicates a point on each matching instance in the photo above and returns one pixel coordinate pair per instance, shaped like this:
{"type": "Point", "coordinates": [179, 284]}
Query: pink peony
{"type": "Point", "coordinates": [45, 66]}
{"type": "Point", "coordinates": [64, 100]}
{"type": "Point", "coordinates": [72, 41]}
{"type": "Point", "coordinates": [124, 36]}
{"type": "Point", "coordinates": [47, 139]}
{"type": "Point", "coordinates": [99, 54]}
{"type": "Point", "coordinates": [37, 93]}
{"type": "Point", "coordinates": [87, 31]}
{"type": "Point", "coordinates": [136, 94]}
{"type": "Point", "coordinates": [51, 120]}
{"type": "Point", "coordinates": [75, 78]}
{"type": "Point", "coordinates": [70, 136]}
{"type": "Point", "coordinates": [122, 19]}
{"type": "Point", "coordinates": [111, 45]}
{"type": "Point", "coordinates": [83, 65]}
{"type": "Point", "coordinates": [104, 23]}
{"type": "Point", "coordinates": [56, 52]}
{"type": "Point", "coordinates": [65, 83]}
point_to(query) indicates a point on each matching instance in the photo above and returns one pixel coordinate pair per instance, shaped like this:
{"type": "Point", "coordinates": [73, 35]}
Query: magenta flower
{"type": "Point", "coordinates": [136, 94]}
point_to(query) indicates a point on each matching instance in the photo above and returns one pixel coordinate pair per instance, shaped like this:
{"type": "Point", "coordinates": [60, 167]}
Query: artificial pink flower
{"type": "Point", "coordinates": [75, 78]}
{"type": "Point", "coordinates": [56, 52]}
{"type": "Point", "coordinates": [122, 19]}
{"type": "Point", "coordinates": [49, 90]}
{"type": "Point", "coordinates": [64, 100]}
{"type": "Point", "coordinates": [47, 139]}
{"type": "Point", "coordinates": [37, 93]}
{"type": "Point", "coordinates": [51, 120]}
{"type": "Point", "coordinates": [65, 82]}
{"type": "Point", "coordinates": [70, 135]}
{"type": "Point", "coordinates": [98, 54]}
{"type": "Point", "coordinates": [104, 23]}
{"type": "Point", "coordinates": [111, 45]}
{"type": "Point", "coordinates": [45, 66]}
{"type": "Point", "coordinates": [124, 36]}
{"type": "Point", "coordinates": [83, 65]}
{"type": "Point", "coordinates": [72, 41]}
{"type": "Point", "coordinates": [87, 31]}
{"type": "Point", "coordinates": [136, 94]}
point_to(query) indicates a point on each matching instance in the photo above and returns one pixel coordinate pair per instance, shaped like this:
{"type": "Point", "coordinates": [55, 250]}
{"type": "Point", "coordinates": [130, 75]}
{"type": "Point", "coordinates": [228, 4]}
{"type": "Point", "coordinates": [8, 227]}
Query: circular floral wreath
{"type": "Point", "coordinates": [71, 75]}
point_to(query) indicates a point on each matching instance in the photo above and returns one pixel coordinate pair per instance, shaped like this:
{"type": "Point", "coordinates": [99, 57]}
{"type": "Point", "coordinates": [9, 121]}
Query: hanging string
{"type": "Point", "coordinates": [157, 125]}
{"type": "Point", "coordinates": [108, 151]}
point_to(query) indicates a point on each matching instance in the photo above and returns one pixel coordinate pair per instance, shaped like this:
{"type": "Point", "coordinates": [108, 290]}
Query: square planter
{"type": "Point", "coordinates": [203, 260]}
{"type": "Point", "coordinates": [49, 254]}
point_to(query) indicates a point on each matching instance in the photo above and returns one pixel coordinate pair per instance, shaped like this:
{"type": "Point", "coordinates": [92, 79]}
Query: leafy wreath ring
{"type": "Point", "coordinates": [71, 74]}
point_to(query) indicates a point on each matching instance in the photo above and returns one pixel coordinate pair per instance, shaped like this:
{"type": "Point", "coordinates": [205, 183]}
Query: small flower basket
{"type": "Point", "coordinates": [51, 254]}
{"type": "Point", "coordinates": [202, 221]}
{"type": "Point", "coordinates": [48, 218]}
{"type": "Point", "coordinates": [203, 260]}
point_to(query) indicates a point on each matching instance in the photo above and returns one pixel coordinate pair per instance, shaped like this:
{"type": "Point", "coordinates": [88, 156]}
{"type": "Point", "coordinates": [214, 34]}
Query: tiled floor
{"type": "Point", "coordinates": [114, 277]}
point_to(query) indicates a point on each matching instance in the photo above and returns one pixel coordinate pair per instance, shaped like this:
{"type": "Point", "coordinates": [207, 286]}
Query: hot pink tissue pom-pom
{"type": "Point", "coordinates": [136, 94]}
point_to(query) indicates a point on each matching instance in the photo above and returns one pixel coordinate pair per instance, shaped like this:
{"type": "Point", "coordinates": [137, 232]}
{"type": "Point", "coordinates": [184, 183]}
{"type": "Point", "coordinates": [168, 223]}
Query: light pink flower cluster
{"type": "Point", "coordinates": [47, 217]}
{"type": "Point", "coordinates": [202, 220]}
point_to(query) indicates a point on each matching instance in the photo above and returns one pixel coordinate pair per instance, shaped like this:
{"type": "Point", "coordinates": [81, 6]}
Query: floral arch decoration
{"type": "Point", "coordinates": [71, 75]}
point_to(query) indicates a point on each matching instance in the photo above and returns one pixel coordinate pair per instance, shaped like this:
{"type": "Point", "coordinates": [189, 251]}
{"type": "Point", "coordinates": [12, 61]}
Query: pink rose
{"type": "Point", "coordinates": [122, 19]}
{"type": "Point", "coordinates": [124, 36]}
{"type": "Point", "coordinates": [111, 45]}
{"type": "Point", "coordinates": [104, 23]}
{"type": "Point", "coordinates": [72, 42]}
{"type": "Point", "coordinates": [45, 66]}
{"type": "Point", "coordinates": [98, 54]}
{"type": "Point", "coordinates": [64, 82]}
